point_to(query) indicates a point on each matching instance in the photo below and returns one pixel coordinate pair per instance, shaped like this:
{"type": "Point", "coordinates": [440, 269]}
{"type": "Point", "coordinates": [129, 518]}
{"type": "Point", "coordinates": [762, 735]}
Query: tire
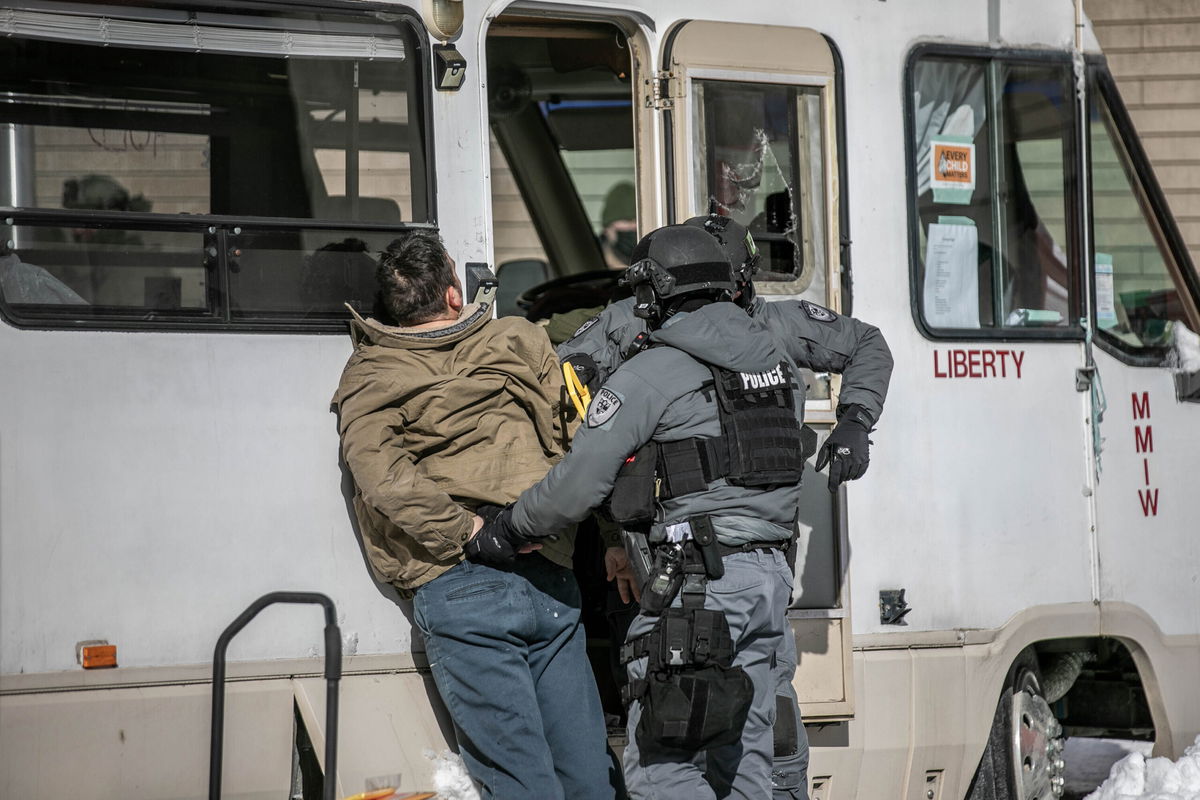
{"type": "Point", "coordinates": [1023, 756]}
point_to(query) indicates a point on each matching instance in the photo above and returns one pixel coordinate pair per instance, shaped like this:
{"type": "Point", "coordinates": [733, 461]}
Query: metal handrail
{"type": "Point", "coordinates": [333, 673]}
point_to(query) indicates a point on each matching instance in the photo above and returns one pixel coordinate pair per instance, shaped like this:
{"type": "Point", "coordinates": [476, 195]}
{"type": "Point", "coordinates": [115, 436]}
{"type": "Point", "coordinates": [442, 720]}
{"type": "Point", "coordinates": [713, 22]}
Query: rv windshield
{"type": "Point", "coordinates": [1137, 301]}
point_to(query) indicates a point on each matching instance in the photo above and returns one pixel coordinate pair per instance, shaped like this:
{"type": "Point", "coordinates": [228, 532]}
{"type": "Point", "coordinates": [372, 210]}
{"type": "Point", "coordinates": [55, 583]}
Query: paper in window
{"type": "Point", "coordinates": [1106, 307]}
{"type": "Point", "coordinates": [952, 276]}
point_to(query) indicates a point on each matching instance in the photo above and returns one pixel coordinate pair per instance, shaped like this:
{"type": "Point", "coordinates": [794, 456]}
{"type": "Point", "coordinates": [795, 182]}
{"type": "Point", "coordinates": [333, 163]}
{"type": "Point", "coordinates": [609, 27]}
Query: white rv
{"type": "Point", "coordinates": [191, 189]}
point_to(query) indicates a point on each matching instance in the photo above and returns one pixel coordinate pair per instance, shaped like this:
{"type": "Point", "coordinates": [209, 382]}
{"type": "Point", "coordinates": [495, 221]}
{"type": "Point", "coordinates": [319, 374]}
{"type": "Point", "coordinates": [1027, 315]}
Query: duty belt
{"type": "Point", "coordinates": [729, 549]}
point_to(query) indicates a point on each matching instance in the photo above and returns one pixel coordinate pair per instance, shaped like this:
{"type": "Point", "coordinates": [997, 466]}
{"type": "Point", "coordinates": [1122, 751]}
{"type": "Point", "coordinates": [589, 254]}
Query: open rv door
{"type": "Point", "coordinates": [749, 115]}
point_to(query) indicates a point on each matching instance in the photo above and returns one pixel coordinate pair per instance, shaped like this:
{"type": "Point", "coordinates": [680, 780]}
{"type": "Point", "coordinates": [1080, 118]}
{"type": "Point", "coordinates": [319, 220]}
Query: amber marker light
{"type": "Point", "coordinates": [97, 654]}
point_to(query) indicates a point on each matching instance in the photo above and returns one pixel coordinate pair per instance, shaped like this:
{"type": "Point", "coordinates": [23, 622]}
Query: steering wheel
{"type": "Point", "coordinates": [566, 293]}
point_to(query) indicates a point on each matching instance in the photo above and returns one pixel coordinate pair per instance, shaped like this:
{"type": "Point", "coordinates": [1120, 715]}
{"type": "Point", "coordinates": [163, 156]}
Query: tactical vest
{"type": "Point", "coordinates": [761, 444]}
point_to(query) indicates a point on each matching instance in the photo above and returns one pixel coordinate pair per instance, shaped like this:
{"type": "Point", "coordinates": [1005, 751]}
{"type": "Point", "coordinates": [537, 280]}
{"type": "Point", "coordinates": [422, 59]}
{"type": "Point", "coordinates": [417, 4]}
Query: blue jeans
{"type": "Point", "coordinates": [508, 657]}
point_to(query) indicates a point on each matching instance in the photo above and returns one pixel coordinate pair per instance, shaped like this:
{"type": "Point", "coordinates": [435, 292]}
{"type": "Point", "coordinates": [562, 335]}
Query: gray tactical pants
{"type": "Point", "coordinates": [754, 595]}
{"type": "Point", "coordinates": [789, 772]}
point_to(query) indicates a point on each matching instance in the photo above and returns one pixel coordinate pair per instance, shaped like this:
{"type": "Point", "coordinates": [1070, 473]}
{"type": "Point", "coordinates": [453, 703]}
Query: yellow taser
{"type": "Point", "coordinates": [579, 393]}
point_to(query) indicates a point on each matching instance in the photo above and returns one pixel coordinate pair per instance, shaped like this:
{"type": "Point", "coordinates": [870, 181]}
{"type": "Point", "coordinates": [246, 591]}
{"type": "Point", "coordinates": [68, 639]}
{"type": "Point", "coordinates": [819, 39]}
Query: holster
{"type": "Point", "coordinates": [638, 550]}
{"type": "Point", "coordinates": [662, 571]}
{"type": "Point", "coordinates": [694, 709]}
{"type": "Point", "coordinates": [667, 576]}
{"type": "Point", "coordinates": [692, 697]}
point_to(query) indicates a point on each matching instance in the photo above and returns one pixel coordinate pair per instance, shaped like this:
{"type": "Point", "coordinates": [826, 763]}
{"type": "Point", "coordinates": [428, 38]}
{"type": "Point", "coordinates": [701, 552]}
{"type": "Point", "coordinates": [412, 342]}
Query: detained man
{"type": "Point", "coordinates": [442, 416]}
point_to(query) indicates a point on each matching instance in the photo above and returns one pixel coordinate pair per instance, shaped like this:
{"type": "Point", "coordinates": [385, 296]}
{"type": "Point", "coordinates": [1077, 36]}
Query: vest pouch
{"type": "Point", "coordinates": [694, 709]}
{"type": "Point", "coordinates": [765, 445]}
{"type": "Point", "coordinates": [633, 496]}
{"type": "Point", "coordinates": [759, 426]}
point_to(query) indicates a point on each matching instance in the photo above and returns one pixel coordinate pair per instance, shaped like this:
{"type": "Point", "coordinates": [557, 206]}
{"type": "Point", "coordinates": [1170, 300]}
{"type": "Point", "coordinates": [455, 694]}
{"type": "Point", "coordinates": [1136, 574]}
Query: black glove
{"type": "Point", "coordinates": [497, 542]}
{"type": "Point", "coordinates": [489, 511]}
{"type": "Point", "coordinates": [847, 449]}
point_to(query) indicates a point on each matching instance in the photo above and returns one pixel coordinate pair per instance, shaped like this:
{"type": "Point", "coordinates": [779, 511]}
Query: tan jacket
{"type": "Point", "coordinates": [433, 423]}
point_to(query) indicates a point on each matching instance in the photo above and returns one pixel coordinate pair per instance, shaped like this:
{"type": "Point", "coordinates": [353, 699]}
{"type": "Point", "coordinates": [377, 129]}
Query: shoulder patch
{"type": "Point", "coordinates": [819, 313]}
{"type": "Point", "coordinates": [604, 406]}
{"type": "Point", "coordinates": [584, 327]}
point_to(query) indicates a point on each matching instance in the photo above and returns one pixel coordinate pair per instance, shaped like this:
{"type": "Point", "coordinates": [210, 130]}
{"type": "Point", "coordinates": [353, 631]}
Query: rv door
{"type": "Point", "coordinates": [749, 120]}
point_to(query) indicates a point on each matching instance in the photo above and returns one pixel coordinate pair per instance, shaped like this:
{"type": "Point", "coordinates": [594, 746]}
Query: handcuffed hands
{"type": "Point", "coordinates": [847, 450]}
{"type": "Point", "coordinates": [496, 541]}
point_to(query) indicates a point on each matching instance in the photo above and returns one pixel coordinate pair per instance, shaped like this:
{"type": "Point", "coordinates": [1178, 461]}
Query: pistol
{"type": "Point", "coordinates": [638, 550]}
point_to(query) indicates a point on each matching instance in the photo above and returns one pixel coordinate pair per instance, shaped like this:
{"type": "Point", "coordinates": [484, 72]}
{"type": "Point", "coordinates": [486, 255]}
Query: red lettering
{"type": "Point", "coordinates": [989, 363]}
{"type": "Point", "coordinates": [977, 363]}
{"type": "Point", "coordinates": [959, 360]}
{"type": "Point", "coordinates": [1141, 409]}
{"type": "Point", "coordinates": [1143, 444]}
{"type": "Point", "coordinates": [1149, 500]}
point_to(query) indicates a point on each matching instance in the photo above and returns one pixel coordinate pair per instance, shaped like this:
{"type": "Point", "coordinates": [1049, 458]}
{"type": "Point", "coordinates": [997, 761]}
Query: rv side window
{"type": "Point", "coordinates": [1137, 301]}
{"type": "Point", "coordinates": [990, 149]}
{"type": "Point", "coordinates": [760, 159]}
{"type": "Point", "coordinates": [170, 168]}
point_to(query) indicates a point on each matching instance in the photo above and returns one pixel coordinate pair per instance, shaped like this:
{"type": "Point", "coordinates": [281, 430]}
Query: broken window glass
{"type": "Point", "coordinates": [760, 159]}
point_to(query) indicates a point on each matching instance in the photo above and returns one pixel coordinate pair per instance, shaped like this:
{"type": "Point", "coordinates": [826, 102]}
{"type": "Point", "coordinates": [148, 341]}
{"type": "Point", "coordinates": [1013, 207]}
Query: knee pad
{"type": "Point", "coordinates": [787, 727]}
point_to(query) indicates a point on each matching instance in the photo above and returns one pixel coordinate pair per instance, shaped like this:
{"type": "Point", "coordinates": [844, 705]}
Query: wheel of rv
{"type": "Point", "coordinates": [1023, 756]}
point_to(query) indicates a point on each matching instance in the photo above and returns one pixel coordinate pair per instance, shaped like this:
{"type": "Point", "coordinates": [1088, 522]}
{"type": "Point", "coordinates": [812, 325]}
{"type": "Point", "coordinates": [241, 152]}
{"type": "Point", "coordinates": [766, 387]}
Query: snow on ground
{"type": "Point", "coordinates": [1131, 774]}
{"type": "Point", "coordinates": [1089, 761]}
{"type": "Point", "coordinates": [1136, 777]}
{"type": "Point", "coordinates": [450, 778]}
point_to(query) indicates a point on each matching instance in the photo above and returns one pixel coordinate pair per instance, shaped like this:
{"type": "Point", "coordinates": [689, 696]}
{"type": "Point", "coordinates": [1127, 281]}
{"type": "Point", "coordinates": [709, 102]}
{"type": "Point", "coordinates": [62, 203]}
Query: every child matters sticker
{"type": "Point", "coordinates": [952, 162]}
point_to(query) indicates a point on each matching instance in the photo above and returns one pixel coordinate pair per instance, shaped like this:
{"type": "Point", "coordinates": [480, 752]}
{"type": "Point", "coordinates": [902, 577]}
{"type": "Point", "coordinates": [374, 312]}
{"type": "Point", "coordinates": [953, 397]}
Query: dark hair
{"type": "Point", "coordinates": [414, 274]}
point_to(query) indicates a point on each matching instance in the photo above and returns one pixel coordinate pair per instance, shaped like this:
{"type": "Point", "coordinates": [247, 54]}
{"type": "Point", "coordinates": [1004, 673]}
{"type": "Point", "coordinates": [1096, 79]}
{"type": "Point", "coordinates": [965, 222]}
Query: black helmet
{"type": "Point", "coordinates": [674, 262]}
{"type": "Point", "coordinates": [739, 248]}
{"type": "Point", "coordinates": [734, 239]}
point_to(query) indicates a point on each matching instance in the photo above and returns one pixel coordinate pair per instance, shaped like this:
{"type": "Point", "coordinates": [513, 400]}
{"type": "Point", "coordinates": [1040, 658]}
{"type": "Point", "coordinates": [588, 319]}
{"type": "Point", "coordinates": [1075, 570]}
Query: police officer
{"type": "Point", "coordinates": [813, 337]}
{"type": "Point", "coordinates": [721, 404]}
